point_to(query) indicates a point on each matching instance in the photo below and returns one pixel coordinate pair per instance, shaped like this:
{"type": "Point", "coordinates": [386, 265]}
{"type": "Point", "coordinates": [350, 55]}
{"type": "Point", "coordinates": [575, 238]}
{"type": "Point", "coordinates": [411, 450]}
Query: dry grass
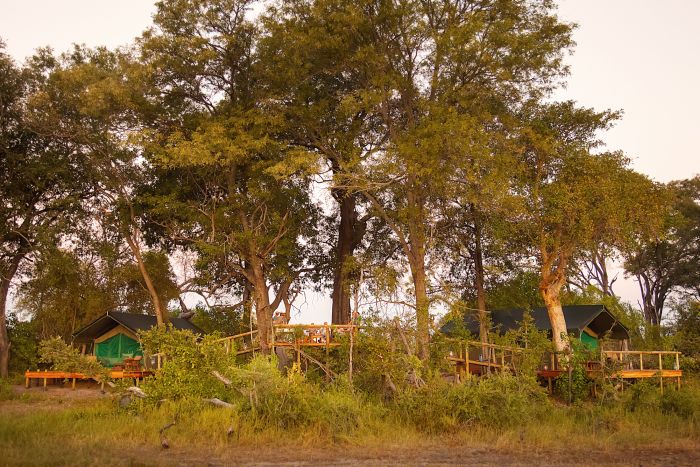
{"type": "Point", "coordinates": [63, 427]}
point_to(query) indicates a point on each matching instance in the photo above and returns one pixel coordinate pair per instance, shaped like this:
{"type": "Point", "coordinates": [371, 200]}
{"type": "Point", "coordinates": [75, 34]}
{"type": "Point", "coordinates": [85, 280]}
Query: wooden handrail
{"type": "Point", "coordinates": [641, 352]}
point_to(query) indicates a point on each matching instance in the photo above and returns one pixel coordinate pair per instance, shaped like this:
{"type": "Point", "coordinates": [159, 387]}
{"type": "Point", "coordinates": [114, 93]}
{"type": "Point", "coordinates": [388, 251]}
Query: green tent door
{"type": "Point", "coordinates": [589, 341]}
{"type": "Point", "coordinates": [114, 350]}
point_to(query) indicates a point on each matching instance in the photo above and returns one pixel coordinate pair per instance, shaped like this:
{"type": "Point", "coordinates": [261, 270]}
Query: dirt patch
{"type": "Point", "coordinates": [438, 455]}
{"type": "Point", "coordinates": [54, 397]}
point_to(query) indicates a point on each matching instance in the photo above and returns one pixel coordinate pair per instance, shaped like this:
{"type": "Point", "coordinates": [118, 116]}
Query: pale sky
{"type": "Point", "coordinates": [641, 56]}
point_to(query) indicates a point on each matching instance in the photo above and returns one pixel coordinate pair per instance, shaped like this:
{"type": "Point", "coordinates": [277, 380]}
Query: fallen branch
{"type": "Point", "coordinates": [138, 392]}
{"type": "Point", "coordinates": [165, 444]}
{"type": "Point", "coordinates": [326, 370]}
{"type": "Point", "coordinates": [222, 378]}
{"type": "Point", "coordinates": [219, 403]}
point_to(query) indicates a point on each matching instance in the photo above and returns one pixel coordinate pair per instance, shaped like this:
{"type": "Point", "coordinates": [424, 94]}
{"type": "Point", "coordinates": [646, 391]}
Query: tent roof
{"type": "Point", "coordinates": [596, 317]}
{"type": "Point", "coordinates": [132, 321]}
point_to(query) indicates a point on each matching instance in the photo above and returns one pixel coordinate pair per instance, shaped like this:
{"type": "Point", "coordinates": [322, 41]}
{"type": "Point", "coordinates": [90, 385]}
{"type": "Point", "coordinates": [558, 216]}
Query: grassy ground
{"type": "Point", "coordinates": [62, 427]}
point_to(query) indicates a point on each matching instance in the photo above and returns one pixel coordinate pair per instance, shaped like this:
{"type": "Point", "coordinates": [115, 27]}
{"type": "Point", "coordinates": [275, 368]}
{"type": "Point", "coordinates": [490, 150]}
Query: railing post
{"type": "Point", "coordinates": [641, 361]}
{"type": "Point", "coordinates": [661, 373]}
{"type": "Point", "coordinates": [466, 359]}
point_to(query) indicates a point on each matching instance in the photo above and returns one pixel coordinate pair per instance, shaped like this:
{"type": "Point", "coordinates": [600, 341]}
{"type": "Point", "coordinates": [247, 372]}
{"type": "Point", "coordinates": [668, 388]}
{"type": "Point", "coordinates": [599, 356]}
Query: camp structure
{"type": "Point", "coordinates": [590, 323]}
{"type": "Point", "coordinates": [596, 327]}
{"type": "Point", "coordinates": [113, 337]}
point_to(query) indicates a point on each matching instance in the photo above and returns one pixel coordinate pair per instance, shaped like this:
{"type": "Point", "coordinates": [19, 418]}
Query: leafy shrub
{"type": "Point", "coordinates": [684, 403]}
{"type": "Point", "coordinates": [498, 401]}
{"type": "Point", "coordinates": [63, 357]}
{"type": "Point", "coordinates": [642, 395]}
{"type": "Point", "coordinates": [6, 392]}
{"type": "Point", "coordinates": [188, 364]}
{"type": "Point", "coordinates": [23, 340]}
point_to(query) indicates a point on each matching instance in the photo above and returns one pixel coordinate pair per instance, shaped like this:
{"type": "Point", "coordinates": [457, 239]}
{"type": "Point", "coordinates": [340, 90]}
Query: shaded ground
{"type": "Point", "coordinates": [438, 455]}
{"type": "Point", "coordinates": [36, 401]}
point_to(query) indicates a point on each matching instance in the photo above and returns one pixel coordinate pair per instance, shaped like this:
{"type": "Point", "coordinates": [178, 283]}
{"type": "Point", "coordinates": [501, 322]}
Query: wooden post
{"type": "Point", "coordinates": [661, 374]}
{"type": "Point", "coordinates": [503, 360]}
{"type": "Point", "coordinates": [678, 367]}
{"type": "Point", "coordinates": [273, 338]}
{"type": "Point", "coordinates": [352, 339]}
{"type": "Point", "coordinates": [45, 381]}
{"type": "Point", "coordinates": [466, 359]}
{"type": "Point", "coordinates": [641, 361]}
{"type": "Point", "coordinates": [26, 380]}
{"type": "Point", "coordinates": [73, 385]}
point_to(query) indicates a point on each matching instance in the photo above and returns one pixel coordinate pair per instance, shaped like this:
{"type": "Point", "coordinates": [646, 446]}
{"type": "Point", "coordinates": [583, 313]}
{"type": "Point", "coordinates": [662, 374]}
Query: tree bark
{"type": "Point", "coordinates": [263, 311]}
{"type": "Point", "coordinates": [162, 317]}
{"type": "Point", "coordinates": [479, 279]}
{"type": "Point", "coordinates": [550, 289]}
{"type": "Point", "coordinates": [416, 240]}
{"type": "Point", "coordinates": [350, 233]}
{"type": "Point", "coordinates": [6, 276]}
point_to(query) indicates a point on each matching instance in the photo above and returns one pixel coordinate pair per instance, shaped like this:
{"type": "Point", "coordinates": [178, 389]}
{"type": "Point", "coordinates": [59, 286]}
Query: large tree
{"type": "Point", "coordinates": [228, 186]}
{"type": "Point", "coordinates": [669, 262]}
{"type": "Point", "coordinates": [90, 103]}
{"type": "Point", "coordinates": [319, 58]}
{"type": "Point", "coordinates": [574, 197]}
{"type": "Point", "coordinates": [40, 182]}
{"type": "Point", "coordinates": [440, 63]}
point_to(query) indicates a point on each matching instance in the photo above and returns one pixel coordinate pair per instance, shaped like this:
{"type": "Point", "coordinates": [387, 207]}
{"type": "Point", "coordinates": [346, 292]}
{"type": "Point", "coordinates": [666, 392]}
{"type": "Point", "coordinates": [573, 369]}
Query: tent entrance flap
{"type": "Point", "coordinates": [114, 350]}
{"type": "Point", "coordinates": [589, 341]}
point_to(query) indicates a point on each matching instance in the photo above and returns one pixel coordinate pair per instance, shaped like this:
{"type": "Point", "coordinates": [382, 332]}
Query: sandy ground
{"type": "Point", "coordinates": [438, 455]}
{"type": "Point", "coordinates": [60, 398]}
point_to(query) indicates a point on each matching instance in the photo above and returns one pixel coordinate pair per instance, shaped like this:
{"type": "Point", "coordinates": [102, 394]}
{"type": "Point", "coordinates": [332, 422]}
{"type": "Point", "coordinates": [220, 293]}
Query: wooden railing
{"type": "Point", "coordinates": [480, 356]}
{"type": "Point", "coordinates": [290, 335]}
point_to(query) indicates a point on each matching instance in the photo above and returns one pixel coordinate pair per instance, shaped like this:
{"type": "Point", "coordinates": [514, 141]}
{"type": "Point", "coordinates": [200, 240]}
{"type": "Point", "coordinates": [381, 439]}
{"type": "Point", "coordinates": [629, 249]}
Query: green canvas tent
{"type": "Point", "coordinates": [114, 350]}
{"type": "Point", "coordinates": [112, 337]}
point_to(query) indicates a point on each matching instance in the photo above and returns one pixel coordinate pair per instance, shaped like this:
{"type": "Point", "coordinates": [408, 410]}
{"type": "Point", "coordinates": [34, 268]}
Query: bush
{"type": "Point", "coordinates": [684, 403]}
{"type": "Point", "coordinates": [188, 365]}
{"type": "Point", "coordinates": [6, 392]}
{"type": "Point", "coordinates": [498, 401]}
{"type": "Point", "coordinates": [63, 357]}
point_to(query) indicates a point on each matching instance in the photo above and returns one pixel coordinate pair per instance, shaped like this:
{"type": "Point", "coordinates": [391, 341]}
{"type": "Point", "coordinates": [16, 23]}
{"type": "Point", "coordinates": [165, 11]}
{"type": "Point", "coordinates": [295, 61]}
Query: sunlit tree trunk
{"type": "Point", "coordinates": [6, 275]}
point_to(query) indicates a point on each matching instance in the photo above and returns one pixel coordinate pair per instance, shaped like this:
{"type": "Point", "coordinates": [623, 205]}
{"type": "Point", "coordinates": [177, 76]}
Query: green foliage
{"type": "Point", "coordinates": [499, 401]}
{"type": "Point", "coordinates": [381, 357]}
{"type": "Point", "coordinates": [686, 338]}
{"type": "Point", "coordinates": [575, 385]}
{"type": "Point", "coordinates": [684, 402]}
{"type": "Point", "coordinates": [227, 321]}
{"type": "Point", "coordinates": [6, 391]}
{"type": "Point", "coordinates": [63, 357]}
{"type": "Point", "coordinates": [519, 291]}
{"type": "Point", "coordinates": [187, 364]}
{"type": "Point", "coordinates": [24, 340]}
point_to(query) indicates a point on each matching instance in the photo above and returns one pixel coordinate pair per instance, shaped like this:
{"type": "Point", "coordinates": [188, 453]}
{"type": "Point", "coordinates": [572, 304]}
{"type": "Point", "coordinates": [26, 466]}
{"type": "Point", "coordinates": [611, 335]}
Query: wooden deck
{"type": "Point", "coordinates": [476, 358]}
{"type": "Point", "coordinates": [294, 336]}
{"type": "Point", "coordinates": [73, 377]}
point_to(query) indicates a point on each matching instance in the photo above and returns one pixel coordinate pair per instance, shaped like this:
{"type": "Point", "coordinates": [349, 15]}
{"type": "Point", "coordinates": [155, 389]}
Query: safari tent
{"type": "Point", "coordinates": [113, 337]}
{"type": "Point", "coordinates": [590, 323]}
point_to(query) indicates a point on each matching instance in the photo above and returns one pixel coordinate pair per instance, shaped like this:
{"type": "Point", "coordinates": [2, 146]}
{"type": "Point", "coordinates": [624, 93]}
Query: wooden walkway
{"type": "Point", "coordinates": [476, 358]}
{"type": "Point", "coordinates": [52, 375]}
{"type": "Point", "coordinates": [294, 336]}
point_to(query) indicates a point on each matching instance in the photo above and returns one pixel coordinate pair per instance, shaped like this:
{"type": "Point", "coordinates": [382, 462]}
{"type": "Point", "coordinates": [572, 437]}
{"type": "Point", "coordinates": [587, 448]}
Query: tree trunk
{"type": "Point", "coordinates": [162, 317]}
{"type": "Point", "coordinates": [416, 239]}
{"type": "Point", "coordinates": [550, 290]}
{"type": "Point", "coordinates": [420, 285]}
{"type": "Point", "coordinates": [263, 312]}
{"type": "Point", "coordinates": [6, 276]}
{"type": "Point", "coordinates": [479, 280]}
{"type": "Point", "coordinates": [350, 233]}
